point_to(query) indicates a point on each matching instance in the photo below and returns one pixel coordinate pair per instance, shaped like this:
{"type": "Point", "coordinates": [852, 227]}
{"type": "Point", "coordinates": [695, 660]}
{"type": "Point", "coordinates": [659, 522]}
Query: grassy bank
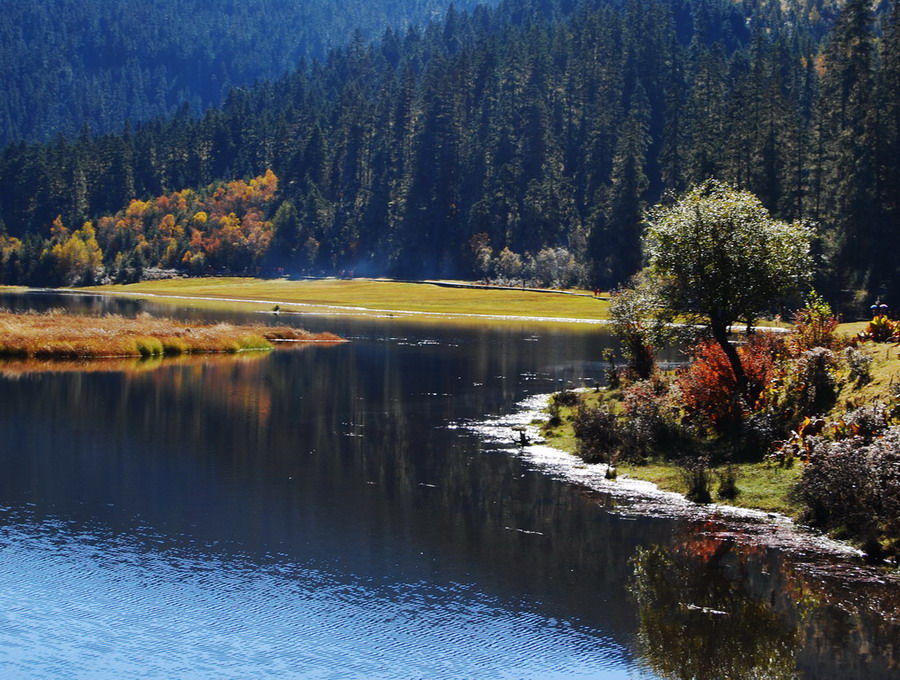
{"type": "Point", "coordinates": [884, 374]}
{"type": "Point", "coordinates": [371, 296]}
{"type": "Point", "coordinates": [761, 486]}
{"type": "Point", "coordinates": [57, 335]}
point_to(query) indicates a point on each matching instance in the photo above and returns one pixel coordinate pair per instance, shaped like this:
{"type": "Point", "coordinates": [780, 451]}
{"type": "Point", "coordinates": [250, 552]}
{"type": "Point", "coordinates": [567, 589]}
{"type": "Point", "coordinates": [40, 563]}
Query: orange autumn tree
{"type": "Point", "coordinates": [708, 387]}
{"type": "Point", "coordinates": [222, 228]}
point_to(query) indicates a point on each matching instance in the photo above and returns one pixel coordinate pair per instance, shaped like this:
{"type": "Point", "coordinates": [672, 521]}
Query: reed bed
{"type": "Point", "coordinates": [57, 335]}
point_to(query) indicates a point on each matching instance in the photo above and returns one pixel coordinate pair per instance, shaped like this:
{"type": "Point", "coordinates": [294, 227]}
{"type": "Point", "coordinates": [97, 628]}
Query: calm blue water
{"type": "Point", "coordinates": [88, 605]}
{"type": "Point", "coordinates": [325, 513]}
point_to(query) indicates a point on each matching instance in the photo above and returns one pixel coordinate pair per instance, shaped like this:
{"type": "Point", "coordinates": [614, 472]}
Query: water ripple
{"type": "Point", "coordinates": [89, 605]}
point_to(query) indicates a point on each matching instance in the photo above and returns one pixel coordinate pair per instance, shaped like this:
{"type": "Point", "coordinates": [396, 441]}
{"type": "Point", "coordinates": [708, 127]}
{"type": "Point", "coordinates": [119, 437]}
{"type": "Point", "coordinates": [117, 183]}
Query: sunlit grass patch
{"type": "Point", "coordinates": [65, 336]}
{"type": "Point", "coordinates": [760, 485]}
{"type": "Point", "coordinates": [368, 296]}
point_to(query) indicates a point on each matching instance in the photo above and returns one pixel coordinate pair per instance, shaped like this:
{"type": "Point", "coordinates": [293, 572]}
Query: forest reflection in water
{"type": "Point", "coordinates": [344, 472]}
{"type": "Point", "coordinates": [13, 368]}
{"type": "Point", "coordinates": [715, 608]}
{"type": "Point", "coordinates": [696, 622]}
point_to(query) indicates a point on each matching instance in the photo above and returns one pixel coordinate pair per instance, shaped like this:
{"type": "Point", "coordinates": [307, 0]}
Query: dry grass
{"type": "Point", "coordinates": [56, 335]}
{"type": "Point", "coordinates": [885, 379]}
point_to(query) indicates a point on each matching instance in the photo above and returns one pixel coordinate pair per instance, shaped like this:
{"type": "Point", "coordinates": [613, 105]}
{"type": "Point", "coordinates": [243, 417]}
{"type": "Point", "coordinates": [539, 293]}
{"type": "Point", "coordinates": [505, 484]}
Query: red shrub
{"type": "Point", "coordinates": [709, 392]}
{"type": "Point", "coordinates": [760, 358]}
{"type": "Point", "coordinates": [709, 389]}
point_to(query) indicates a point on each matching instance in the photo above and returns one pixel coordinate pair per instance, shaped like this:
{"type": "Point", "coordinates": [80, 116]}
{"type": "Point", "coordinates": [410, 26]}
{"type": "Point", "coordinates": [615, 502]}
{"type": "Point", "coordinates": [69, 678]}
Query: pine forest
{"type": "Point", "coordinates": [522, 141]}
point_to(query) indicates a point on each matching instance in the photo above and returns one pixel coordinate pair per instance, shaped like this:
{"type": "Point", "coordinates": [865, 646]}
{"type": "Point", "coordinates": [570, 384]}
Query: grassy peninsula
{"type": "Point", "coordinates": [57, 335]}
{"type": "Point", "coordinates": [838, 410]}
{"type": "Point", "coordinates": [366, 297]}
{"type": "Point", "coordinates": [761, 485]}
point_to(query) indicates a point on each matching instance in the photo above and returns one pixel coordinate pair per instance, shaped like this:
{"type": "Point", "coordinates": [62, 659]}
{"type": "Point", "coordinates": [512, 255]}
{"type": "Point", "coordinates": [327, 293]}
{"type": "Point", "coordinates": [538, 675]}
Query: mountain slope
{"type": "Point", "coordinates": [66, 63]}
{"type": "Point", "coordinates": [532, 135]}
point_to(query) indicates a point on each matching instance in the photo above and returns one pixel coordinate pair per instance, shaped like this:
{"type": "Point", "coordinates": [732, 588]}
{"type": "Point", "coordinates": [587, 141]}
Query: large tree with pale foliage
{"type": "Point", "coordinates": [724, 259]}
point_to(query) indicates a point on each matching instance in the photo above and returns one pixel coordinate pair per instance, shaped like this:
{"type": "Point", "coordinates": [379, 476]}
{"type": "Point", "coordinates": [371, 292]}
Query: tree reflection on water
{"type": "Point", "coordinates": [700, 619]}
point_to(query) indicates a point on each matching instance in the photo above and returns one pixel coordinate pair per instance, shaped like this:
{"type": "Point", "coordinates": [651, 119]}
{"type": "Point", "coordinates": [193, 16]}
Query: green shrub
{"type": "Point", "coordinates": [727, 478]}
{"type": "Point", "coordinates": [803, 386]}
{"type": "Point", "coordinates": [696, 475]}
{"type": "Point", "coordinates": [176, 346]}
{"type": "Point", "coordinates": [815, 325]}
{"type": "Point", "coordinates": [566, 398]}
{"type": "Point", "coordinates": [852, 486]}
{"type": "Point", "coordinates": [650, 425]}
{"type": "Point", "coordinates": [148, 347]}
{"type": "Point", "coordinates": [598, 434]}
{"type": "Point", "coordinates": [251, 342]}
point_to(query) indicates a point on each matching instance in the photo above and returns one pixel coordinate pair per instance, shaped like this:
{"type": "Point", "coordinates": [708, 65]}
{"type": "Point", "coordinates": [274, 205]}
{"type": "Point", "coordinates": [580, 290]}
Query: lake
{"type": "Point", "coordinates": [358, 511]}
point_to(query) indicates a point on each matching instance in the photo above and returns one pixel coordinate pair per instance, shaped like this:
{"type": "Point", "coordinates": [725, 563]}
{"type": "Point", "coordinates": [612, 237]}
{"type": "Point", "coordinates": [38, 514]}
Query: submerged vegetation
{"type": "Point", "coordinates": [56, 335]}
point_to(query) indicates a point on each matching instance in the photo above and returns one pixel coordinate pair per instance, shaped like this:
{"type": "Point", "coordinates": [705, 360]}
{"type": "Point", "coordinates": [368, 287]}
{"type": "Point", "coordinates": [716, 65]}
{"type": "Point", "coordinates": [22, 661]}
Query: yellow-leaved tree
{"type": "Point", "coordinates": [76, 258]}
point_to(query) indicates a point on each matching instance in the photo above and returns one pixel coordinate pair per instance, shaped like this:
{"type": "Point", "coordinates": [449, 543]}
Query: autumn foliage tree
{"type": "Point", "coordinates": [708, 387]}
{"type": "Point", "coordinates": [73, 258]}
{"type": "Point", "coordinates": [223, 228]}
{"type": "Point", "coordinates": [724, 259]}
{"type": "Point", "coordinates": [10, 259]}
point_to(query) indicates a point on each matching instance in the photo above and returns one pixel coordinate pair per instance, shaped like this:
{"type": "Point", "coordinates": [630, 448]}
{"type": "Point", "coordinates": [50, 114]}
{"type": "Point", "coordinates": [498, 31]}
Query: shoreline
{"type": "Point", "coordinates": [640, 498]}
{"type": "Point", "coordinates": [332, 310]}
{"type": "Point", "coordinates": [333, 297]}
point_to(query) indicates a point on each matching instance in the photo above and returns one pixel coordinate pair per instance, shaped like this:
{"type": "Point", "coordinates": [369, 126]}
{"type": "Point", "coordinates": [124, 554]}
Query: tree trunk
{"type": "Point", "coordinates": [720, 335]}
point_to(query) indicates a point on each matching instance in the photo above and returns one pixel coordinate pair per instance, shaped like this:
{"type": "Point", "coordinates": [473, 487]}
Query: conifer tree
{"type": "Point", "coordinates": [849, 145]}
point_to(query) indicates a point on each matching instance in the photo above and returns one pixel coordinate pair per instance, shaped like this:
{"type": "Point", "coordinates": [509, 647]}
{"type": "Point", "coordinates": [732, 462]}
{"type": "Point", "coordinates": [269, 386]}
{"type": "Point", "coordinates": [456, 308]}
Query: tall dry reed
{"type": "Point", "coordinates": [56, 334]}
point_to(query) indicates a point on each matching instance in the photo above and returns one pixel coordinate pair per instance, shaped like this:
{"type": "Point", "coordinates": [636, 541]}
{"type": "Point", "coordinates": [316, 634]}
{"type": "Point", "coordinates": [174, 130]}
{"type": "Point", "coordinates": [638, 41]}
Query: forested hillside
{"type": "Point", "coordinates": [68, 63]}
{"type": "Point", "coordinates": [537, 128]}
